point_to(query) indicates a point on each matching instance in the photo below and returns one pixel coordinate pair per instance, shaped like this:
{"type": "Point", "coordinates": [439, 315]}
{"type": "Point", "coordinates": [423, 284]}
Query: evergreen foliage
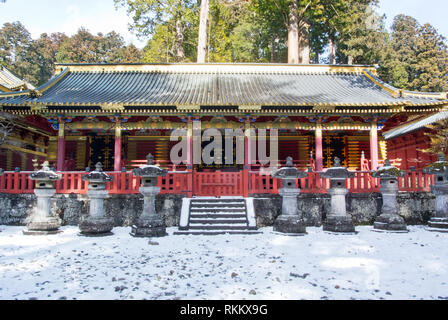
{"type": "Point", "coordinates": [438, 136]}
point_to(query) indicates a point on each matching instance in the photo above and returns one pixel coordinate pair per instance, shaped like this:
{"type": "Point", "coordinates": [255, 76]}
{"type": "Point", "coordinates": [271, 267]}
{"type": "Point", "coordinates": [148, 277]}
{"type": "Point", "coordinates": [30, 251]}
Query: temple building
{"type": "Point", "coordinates": [407, 140]}
{"type": "Point", "coordinates": [118, 113]}
{"type": "Point", "coordinates": [11, 83]}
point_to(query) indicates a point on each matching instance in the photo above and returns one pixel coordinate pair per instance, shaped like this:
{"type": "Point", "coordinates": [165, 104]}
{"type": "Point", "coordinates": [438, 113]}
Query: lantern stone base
{"type": "Point", "coordinates": [42, 222]}
{"type": "Point", "coordinates": [290, 224]}
{"type": "Point", "coordinates": [43, 226]}
{"type": "Point", "coordinates": [149, 227]}
{"type": "Point", "coordinates": [40, 233]}
{"type": "Point", "coordinates": [438, 224]}
{"type": "Point", "coordinates": [390, 222]}
{"type": "Point", "coordinates": [339, 224]}
{"type": "Point", "coordinates": [96, 226]}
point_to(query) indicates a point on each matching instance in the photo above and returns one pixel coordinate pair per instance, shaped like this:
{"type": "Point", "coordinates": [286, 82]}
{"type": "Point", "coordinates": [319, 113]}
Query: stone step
{"type": "Point", "coordinates": [218, 205]}
{"type": "Point", "coordinates": [438, 225]}
{"type": "Point", "coordinates": [217, 216]}
{"type": "Point", "coordinates": [217, 200]}
{"type": "Point", "coordinates": [217, 221]}
{"type": "Point", "coordinates": [437, 219]}
{"type": "Point", "coordinates": [212, 216]}
{"type": "Point", "coordinates": [218, 227]}
{"type": "Point", "coordinates": [217, 210]}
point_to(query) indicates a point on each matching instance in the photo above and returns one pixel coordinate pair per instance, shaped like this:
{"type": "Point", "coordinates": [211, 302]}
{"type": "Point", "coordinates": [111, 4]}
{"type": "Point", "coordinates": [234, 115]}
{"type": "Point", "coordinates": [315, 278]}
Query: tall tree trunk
{"type": "Point", "coordinates": [180, 54]}
{"type": "Point", "coordinates": [202, 35]}
{"type": "Point", "coordinates": [272, 49]}
{"type": "Point", "coordinates": [293, 33]}
{"type": "Point", "coordinates": [350, 60]}
{"type": "Point", "coordinates": [304, 42]}
{"type": "Point", "coordinates": [304, 46]}
{"type": "Point", "coordinates": [332, 51]}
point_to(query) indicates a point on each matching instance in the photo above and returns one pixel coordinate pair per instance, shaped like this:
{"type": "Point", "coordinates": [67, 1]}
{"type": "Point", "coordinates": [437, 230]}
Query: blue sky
{"type": "Point", "coordinates": [67, 16]}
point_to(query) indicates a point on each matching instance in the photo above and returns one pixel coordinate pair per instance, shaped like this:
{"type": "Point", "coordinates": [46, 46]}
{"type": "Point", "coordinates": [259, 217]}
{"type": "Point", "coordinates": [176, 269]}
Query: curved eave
{"type": "Point", "coordinates": [4, 89]}
{"type": "Point", "coordinates": [38, 91]}
{"type": "Point", "coordinates": [400, 93]}
{"type": "Point", "coordinates": [415, 125]}
{"type": "Point", "coordinates": [53, 81]}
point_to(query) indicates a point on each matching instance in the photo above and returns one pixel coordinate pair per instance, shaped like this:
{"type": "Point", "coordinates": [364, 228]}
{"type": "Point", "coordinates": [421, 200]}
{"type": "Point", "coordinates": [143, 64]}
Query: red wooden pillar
{"type": "Point", "coordinates": [319, 149]}
{"type": "Point", "coordinates": [117, 148]}
{"type": "Point", "coordinates": [61, 148]}
{"type": "Point", "coordinates": [374, 146]}
{"type": "Point", "coordinates": [247, 159]}
{"type": "Point", "coordinates": [190, 166]}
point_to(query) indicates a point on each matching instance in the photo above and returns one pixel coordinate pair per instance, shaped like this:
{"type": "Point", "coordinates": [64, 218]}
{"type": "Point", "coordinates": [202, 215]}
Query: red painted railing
{"type": "Point", "coordinates": [218, 183]}
{"type": "Point", "coordinates": [71, 182]}
{"type": "Point", "coordinates": [313, 183]}
{"type": "Point", "coordinates": [214, 183]}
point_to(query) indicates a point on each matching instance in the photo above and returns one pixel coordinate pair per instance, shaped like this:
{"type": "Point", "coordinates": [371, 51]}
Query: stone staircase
{"type": "Point", "coordinates": [213, 216]}
{"type": "Point", "coordinates": [438, 224]}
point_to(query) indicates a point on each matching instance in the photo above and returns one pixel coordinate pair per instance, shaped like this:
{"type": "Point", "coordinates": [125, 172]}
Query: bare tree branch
{"type": "Point", "coordinates": [5, 130]}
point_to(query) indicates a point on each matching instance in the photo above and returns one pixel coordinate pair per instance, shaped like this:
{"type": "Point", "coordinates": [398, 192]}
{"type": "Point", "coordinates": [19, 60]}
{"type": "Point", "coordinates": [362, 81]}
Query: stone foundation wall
{"type": "Point", "coordinates": [124, 209]}
{"type": "Point", "coordinates": [415, 208]}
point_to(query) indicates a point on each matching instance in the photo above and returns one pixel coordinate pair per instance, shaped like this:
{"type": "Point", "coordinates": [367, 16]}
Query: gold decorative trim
{"type": "Point", "coordinates": [394, 93]}
{"type": "Point", "coordinates": [5, 89]}
{"type": "Point", "coordinates": [430, 95]}
{"type": "Point", "coordinates": [112, 107]}
{"type": "Point", "coordinates": [249, 108]}
{"type": "Point", "coordinates": [188, 107]}
{"type": "Point", "coordinates": [61, 76]}
{"type": "Point", "coordinates": [14, 148]}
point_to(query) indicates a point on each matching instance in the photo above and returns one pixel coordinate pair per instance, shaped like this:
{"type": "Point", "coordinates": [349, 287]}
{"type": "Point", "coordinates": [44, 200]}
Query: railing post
{"type": "Point", "coordinates": [61, 146]}
{"type": "Point", "coordinates": [190, 182]}
{"type": "Point", "coordinates": [374, 145]}
{"type": "Point", "coordinates": [16, 182]}
{"type": "Point", "coordinates": [117, 147]}
{"type": "Point", "coordinates": [319, 150]}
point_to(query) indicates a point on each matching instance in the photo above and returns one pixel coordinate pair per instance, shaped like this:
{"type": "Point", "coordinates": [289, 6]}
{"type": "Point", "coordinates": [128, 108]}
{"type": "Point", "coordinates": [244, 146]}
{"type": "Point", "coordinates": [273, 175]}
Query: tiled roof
{"type": "Point", "coordinates": [9, 82]}
{"type": "Point", "coordinates": [415, 125]}
{"type": "Point", "coordinates": [218, 85]}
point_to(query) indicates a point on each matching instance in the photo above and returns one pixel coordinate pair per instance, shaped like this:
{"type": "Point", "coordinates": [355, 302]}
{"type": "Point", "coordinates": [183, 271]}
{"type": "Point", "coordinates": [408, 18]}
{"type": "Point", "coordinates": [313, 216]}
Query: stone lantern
{"type": "Point", "coordinates": [150, 223]}
{"type": "Point", "coordinates": [440, 189]}
{"type": "Point", "coordinates": [338, 220]}
{"type": "Point", "coordinates": [97, 224]}
{"type": "Point", "coordinates": [389, 220]}
{"type": "Point", "coordinates": [290, 221]}
{"type": "Point", "coordinates": [41, 221]}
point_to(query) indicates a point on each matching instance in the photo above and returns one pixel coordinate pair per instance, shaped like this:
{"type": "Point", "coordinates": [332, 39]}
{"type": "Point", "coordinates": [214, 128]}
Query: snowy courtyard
{"type": "Point", "coordinates": [368, 265]}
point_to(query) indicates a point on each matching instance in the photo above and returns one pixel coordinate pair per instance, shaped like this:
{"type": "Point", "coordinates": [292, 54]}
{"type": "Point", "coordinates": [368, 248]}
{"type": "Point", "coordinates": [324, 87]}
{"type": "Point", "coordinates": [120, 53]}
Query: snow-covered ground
{"type": "Point", "coordinates": [368, 265]}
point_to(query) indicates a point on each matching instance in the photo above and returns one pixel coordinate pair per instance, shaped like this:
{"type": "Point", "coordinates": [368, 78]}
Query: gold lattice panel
{"type": "Point", "coordinates": [304, 148]}
{"type": "Point", "coordinates": [23, 158]}
{"type": "Point", "coordinates": [132, 150]}
{"type": "Point", "coordinates": [81, 147]}
{"type": "Point", "coordinates": [52, 150]}
{"type": "Point", "coordinates": [162, 150]}
{"type": "Point", "coordinates": [354, 153]}
{"type": "Point", "coordinates": [382, 148]}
